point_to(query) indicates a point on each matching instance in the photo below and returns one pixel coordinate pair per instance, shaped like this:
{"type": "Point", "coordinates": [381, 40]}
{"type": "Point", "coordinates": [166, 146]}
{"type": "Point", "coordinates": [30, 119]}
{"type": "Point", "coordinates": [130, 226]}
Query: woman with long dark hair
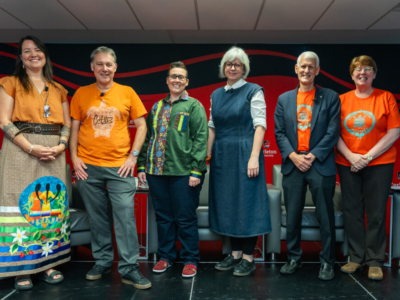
{"type": "Point", "coordinates": [34, 216]}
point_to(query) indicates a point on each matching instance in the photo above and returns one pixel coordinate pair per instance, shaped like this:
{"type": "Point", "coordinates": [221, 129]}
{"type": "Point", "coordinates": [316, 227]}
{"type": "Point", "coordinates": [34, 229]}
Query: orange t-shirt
{"type": "Point", "coordinates": [364, 121]}
{"type": "Point", "coordinates": [305, 102]}
{"type": "Point", "coordinates": [29, 107]}
{"type": "Point", "coordinates": [104, 138]}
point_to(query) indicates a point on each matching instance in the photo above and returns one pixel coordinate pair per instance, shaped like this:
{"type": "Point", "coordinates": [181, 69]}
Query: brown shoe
{"type": "Point", "coordinates": [375, 273]}
{"type": "Point", "coordinates": [351, 268]}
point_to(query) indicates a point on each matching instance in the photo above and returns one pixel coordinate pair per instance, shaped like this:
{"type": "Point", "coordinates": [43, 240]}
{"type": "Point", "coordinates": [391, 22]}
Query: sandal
{"type": "Point", "coordinates": [50, 278]}
{"type": "Point", "coordinates": [20, 287]}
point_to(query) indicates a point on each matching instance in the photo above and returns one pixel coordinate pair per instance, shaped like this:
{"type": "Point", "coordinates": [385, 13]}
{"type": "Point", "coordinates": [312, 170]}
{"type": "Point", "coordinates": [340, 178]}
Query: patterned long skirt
{"type": "Point", "coordinates": [34, 215]}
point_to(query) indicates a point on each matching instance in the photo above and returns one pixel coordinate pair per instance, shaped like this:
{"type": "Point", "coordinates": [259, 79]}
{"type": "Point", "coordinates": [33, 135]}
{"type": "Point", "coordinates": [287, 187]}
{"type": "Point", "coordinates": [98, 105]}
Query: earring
{"type": "Point", "coordinates": [23, 66]}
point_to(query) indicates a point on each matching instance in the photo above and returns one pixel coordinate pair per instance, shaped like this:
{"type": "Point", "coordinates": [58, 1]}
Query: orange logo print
{"type": "Point", "coordinates": [103, 119]}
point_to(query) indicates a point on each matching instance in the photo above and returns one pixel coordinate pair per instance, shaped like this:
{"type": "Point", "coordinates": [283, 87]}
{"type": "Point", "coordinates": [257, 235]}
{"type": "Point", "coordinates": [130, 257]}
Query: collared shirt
{"type": "Point", "coordinates": [176, 140]}
{"type": "Point", "coordinates": [257, 106]}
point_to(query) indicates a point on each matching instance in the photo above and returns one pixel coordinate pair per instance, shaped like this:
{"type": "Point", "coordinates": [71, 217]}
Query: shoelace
{"type": "Point", "coordinates": [191, 267]}
{"type": "Point", "coordinates": [138, 274]}
{"type": "Point", "coordinates": [163, 263]}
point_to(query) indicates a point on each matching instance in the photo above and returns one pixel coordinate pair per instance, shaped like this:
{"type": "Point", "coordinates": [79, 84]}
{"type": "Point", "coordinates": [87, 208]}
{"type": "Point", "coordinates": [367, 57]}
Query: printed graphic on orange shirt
{"type": "Point", "coordinates": [304, 113]}
{"type": "Point", "coordinates": [359, 123]}
{"type": "Point", "coordinates": [103, 119]}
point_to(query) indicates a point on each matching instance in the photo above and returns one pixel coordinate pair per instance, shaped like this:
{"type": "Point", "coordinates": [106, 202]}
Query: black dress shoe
{"type": "Point", "coordinates": [244, 268]}
{"type": "Point", "coordinates": [291, 266]}
{"type": "Point", "coordinates": [326, 272]}
{"type": "Point", "coordinates": [228, 263]}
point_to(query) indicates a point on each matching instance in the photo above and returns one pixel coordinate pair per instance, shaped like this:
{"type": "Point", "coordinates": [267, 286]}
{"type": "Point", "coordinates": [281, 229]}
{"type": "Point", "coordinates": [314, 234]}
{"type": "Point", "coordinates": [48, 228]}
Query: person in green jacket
{"type": "Point", "coordinates": [173, 161]}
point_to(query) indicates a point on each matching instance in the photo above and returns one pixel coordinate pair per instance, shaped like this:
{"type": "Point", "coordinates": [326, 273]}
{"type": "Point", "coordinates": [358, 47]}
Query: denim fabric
{"type": "Point", "coordinates": [175, 203]}
{"type": "Point", "coordinates": [238, 204]}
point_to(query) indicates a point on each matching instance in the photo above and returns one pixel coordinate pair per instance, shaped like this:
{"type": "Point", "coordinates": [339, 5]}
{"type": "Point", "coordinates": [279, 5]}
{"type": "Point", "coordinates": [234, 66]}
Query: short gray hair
{"type": "Point", "coordinates": [309, 55]}
{"type": "Point", "coordinates": [231, 55]}
{"type": "Point", "coordinates": [103, 49]}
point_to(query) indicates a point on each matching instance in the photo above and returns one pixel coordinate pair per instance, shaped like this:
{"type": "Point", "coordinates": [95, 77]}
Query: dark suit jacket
{"type": "Point", "coordinates": [325, 129]}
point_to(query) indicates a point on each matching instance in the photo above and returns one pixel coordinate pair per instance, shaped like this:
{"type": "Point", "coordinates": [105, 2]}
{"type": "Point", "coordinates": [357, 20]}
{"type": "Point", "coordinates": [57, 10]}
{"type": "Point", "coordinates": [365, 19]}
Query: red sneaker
{"type": "Point", "coordinates": [161, 266]}
{"type": "Point", "coordinates": [189, 271]}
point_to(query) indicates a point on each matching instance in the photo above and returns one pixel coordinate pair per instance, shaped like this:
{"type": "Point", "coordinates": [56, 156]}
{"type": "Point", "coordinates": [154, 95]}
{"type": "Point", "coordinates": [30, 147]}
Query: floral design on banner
{"type": "Point", "coordinates": [359, 123]}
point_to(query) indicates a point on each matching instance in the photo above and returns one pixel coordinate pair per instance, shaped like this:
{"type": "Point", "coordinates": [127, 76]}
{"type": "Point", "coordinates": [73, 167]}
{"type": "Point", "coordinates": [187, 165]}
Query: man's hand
{"type": "Point", "coordinates": [79, 167]}
{"type": "Point", "coordinates": [301, 162]}
{"type": "Point", "coordinates": [253, 167]}
{"type": "Point", "coordinates": [128, 166]}
{"type": "Point", "coordinates": [310, 157]}
{"type": "Point", "coordinates": [142, 177]}
{"type": "Point", "coordinates": [193, 181]}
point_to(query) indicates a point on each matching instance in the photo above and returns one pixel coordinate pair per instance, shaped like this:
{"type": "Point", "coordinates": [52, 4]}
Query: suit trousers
{"type": "Point", "coordinates": [366, 191]}
{"type": "Point", "coordinates": [322, 189]}
{"type": "Point", "coordinates": [102, 184]}
{"type": "Point", "coordinates": [175, 203]}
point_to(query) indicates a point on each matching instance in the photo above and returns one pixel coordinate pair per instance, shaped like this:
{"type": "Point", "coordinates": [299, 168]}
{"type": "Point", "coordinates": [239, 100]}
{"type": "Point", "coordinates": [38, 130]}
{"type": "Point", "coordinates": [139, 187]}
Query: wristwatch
{"type": "Point", "coordinates": [369, 157]}
{"type": "Point", "coordinates": [135, 153]}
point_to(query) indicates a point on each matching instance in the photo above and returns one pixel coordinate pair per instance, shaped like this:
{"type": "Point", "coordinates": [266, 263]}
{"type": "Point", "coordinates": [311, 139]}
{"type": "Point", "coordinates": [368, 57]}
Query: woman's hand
{"type": "Point", "coordinates": [43, 153]}
{"type": "Point", "coordinates": [253, 168]}
{"type": "Point", "coordinates": [142, 177]}
{"type": "Point", "coordinates": [193, 181]}
{"type": "Point", "coordinates": [58, 149]}
{"type": "Point", "coordinates": [357, 161]}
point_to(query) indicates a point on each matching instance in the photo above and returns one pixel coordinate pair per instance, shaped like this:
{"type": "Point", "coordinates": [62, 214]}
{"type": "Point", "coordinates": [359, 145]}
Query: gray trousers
{"type": "Point", "coordinates": [104, 183]}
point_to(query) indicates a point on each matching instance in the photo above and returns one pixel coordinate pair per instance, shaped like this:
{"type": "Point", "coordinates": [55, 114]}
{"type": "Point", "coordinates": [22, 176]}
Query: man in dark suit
{"type": "Point", "coordinates": [307, 126]}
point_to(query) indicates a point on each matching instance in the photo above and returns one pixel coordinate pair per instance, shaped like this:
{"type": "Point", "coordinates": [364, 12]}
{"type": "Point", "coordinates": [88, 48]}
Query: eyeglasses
{"type": "Point", "coordinates": [180, 77]}
{"type": "Point", "coordinates": [366, 69]}
{"type": "Point", "coordinates": [229, 65]}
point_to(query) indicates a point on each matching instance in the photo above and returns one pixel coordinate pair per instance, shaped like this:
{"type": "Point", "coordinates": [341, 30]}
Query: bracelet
{"type": "Point", "coordinates": [64, 143]}
{"type": "Point", "coordinates": [30, 150]}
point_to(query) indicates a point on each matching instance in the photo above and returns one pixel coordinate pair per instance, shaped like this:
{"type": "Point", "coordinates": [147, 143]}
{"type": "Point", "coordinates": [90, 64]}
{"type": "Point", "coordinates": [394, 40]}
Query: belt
{"type": "Point", "coordinates": [303, 152]}
{"type": "Point", "coordinates": [38, 128]}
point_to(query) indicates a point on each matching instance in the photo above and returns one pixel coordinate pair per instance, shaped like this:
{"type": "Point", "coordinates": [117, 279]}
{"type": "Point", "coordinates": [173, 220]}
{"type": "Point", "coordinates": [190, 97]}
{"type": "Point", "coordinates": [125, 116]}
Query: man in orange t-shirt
{"type": "Point", "coordinates": [306, 140]}
{"type": "Point", "coordinates": [104, 167]}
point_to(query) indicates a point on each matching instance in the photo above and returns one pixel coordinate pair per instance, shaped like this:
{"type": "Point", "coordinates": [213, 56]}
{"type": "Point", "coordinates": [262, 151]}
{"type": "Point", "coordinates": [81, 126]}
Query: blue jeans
{"type": "Point", "coordinates": [175, 203]}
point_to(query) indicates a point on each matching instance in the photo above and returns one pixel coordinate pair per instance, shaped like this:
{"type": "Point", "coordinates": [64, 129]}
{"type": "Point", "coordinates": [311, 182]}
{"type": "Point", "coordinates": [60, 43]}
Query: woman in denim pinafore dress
{"type": "Point", "coordinates": [238, 200]}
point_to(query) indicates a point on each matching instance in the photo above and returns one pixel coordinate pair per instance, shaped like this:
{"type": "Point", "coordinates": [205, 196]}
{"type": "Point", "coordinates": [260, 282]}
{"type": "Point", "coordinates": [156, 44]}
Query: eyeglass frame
{"type": "Point", "coordinates": [177, 77]}
{"type": "Point", "coordinates": [233, 65]}
{"type": "Point", "coordinates": [370, 69]}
